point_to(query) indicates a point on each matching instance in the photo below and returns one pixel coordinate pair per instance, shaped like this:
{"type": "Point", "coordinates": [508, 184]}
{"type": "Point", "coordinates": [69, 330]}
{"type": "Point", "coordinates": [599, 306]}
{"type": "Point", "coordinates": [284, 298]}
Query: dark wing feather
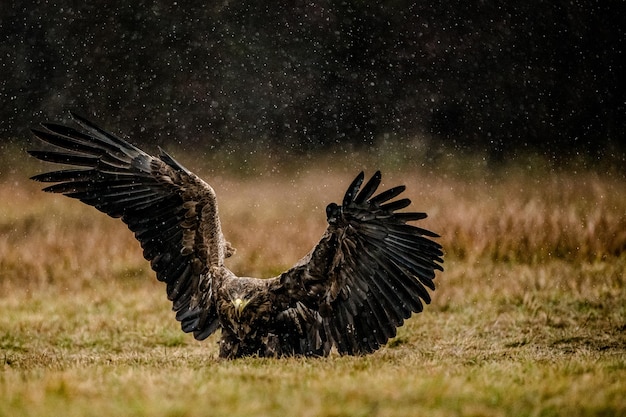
{"type": "Point", "coordinates": [164, 204]}
{"type": "Point", "coordinates": [369, 272]}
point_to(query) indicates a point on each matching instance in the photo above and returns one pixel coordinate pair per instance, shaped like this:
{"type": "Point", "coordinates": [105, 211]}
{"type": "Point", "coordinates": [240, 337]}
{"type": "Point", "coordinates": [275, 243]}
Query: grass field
{"type": "Point", "coordinates": [529, 317]}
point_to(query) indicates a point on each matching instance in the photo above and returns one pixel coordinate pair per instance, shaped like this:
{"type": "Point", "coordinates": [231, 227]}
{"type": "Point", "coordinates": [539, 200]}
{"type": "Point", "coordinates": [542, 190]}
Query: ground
{"type": "Point", "coordinates": [528, 318]}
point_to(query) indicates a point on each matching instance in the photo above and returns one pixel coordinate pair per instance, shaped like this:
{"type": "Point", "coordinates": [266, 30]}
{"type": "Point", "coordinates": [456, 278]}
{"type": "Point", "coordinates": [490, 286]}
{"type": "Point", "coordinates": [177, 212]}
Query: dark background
{"type": "Point", "coordinates": [486, 76]}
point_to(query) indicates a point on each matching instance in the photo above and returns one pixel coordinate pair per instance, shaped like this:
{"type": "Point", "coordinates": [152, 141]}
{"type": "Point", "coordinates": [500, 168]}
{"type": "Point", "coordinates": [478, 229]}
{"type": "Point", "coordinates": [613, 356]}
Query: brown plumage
{"type": "Point", "coordinates": [368, 273]}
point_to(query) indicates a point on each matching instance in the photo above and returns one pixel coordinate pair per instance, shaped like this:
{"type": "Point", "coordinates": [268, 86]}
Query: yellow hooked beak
{"type": "Point", "coordinates": [239, 305]}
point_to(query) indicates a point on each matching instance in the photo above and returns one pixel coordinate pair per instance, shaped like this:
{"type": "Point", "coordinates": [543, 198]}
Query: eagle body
{"type": "Point", "coordinates": [368, 273]}
{"type": "Point", "coordinates": [247, 314]}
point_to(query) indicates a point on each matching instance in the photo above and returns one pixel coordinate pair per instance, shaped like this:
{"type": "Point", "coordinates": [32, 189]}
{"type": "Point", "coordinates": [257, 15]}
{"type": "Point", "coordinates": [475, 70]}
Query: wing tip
{"type": "Point", "coordinates": [353, 189]}
{"type": "Point", "coordinates": [78, 117]}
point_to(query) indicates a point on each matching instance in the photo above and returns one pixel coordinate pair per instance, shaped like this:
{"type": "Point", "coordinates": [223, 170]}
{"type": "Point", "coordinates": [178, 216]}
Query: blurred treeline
{"type": "Point", "coordinates": [492, 76]}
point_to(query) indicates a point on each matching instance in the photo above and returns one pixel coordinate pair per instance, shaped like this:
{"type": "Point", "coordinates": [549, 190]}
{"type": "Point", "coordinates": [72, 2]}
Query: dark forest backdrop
{"type": "Point", "coordinates": [492, 76]}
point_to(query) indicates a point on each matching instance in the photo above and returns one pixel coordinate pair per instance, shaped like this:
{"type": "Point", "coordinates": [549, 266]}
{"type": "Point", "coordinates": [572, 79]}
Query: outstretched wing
{"type": "Point", "coordinates": [366, 276]}
{"type": "Point", "coordinates": [172, 212]}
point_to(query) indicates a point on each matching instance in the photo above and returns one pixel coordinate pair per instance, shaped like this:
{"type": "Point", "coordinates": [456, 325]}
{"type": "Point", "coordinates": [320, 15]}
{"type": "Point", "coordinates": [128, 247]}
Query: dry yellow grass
{"type": "Point", "coordinates": [528, 318]}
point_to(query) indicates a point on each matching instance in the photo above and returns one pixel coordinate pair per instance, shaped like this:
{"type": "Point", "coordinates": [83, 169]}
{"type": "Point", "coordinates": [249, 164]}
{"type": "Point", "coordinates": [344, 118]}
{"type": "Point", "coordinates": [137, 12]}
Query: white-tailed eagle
{"type": "Point", "coordinates": [368, 273]}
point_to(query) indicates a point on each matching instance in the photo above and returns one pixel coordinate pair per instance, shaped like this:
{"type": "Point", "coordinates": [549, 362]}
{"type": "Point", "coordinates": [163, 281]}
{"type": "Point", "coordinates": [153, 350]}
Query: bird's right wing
{"type": "Point", "coordinates": [171, 211]}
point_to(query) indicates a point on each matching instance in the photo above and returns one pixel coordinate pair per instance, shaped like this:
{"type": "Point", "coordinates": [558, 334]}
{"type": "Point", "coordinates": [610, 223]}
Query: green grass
{"type": "Point", "coordinates": [529, 318]}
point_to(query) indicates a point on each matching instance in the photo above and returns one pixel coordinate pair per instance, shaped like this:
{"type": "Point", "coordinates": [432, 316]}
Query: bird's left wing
{"type": "Point", "coordinates": [366, 276]}
{"type": "Point", "coordinates": [171, 211]}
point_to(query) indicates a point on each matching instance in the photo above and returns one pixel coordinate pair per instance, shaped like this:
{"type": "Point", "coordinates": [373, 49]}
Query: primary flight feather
{"type": "Point", "coordinates": [368, 273]}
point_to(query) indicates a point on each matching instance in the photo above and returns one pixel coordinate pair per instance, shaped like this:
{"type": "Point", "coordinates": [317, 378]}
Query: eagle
{"type": "Point", "coordinates": [369, 272]}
